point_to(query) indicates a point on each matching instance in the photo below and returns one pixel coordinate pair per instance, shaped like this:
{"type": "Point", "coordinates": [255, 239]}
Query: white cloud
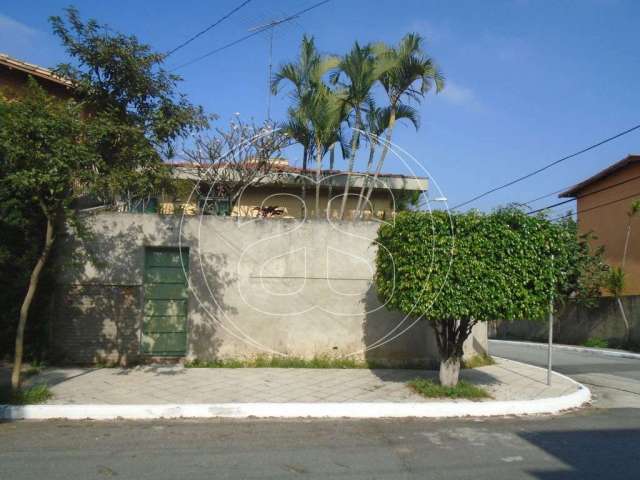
{"type": "Point", "coordinates": [458, 95]}
{"type": "Point", "coordinates": [9, 25]}
{"type": "Point", "coordinates": [431, 32]}
{"type": "Point", "coordinates": [15, 36]}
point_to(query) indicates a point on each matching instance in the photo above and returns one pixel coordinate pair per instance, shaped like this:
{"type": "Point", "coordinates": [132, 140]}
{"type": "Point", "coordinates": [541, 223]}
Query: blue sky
{"type": "Point", "coordinates": [527, 81]}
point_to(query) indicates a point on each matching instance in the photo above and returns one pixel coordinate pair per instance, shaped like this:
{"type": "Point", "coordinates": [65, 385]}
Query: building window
{"type": "Point", "coordinates": [220, 206]}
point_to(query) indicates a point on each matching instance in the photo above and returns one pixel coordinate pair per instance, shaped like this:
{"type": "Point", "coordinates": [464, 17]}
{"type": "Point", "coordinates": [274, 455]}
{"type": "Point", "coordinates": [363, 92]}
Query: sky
{"type": "Point", "coordinates": [527, 81]}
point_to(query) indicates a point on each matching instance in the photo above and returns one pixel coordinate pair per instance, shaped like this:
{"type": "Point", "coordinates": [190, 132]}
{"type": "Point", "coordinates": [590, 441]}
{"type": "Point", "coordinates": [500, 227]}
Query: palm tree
{"type": "Point", "coordinates": [325, 111]}
{"type": "Point", "coordinates": [361, 70]}
{"type": "Point", "coordinates": [305, 75]}
{"type": "Point", "coordinates": [342, 141]}
{"type": "Point", "coordinates": [298, 128]}
{"type": "Point", "coordinates": [413, 75]}
{"type": "Point", "coordinates": [376, 122]}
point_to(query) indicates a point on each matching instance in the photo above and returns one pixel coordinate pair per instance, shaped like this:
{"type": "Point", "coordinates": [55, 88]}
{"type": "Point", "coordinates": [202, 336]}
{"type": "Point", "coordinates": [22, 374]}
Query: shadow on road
{"type": "Point", "coordinates": [606, 453]}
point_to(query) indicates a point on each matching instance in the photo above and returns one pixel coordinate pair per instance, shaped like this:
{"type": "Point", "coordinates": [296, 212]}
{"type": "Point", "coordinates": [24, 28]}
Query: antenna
{"type": "Point", "coordinates": [271, 27]}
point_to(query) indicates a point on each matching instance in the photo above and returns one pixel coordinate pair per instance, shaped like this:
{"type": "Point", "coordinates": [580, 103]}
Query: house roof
{"type": "Point", "coordinates": [394, 181]}
{"type": "Point", "coordinates": [32, 69]}
{"type": "Point", "coordinates": [611, 169]}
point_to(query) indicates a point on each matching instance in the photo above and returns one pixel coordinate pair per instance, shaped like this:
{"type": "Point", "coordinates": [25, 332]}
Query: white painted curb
{"type": "Point", "coordinates": [462, 408]}
{"type": "Point", "coordinates": [297, 410]}
{"type": "Point", "coordinates": [573, 348]}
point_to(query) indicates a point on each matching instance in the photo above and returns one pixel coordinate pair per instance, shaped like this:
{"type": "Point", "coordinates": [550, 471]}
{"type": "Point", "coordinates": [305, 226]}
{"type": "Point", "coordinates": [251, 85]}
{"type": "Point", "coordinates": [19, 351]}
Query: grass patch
{"type": "Point", "coordinates": [31, 395]}
{"type": "Point", "coordinates": [478, 361]}
{"type": "Point", "coordinates": [35, 368]}
{"type": "Point", "coordinates": [284, 362]}
{"type": "Point", "coordinates": [596, 342]}
{"type": "Point", "coordinates": [430, 389]}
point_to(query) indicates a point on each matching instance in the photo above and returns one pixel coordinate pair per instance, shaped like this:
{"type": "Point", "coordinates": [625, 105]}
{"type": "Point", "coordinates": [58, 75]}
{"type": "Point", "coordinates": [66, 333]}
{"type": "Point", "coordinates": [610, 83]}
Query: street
{"type": "Point", "coordinates": [598, 442]}
{"type": "Point", "coordinates": [614, 382]}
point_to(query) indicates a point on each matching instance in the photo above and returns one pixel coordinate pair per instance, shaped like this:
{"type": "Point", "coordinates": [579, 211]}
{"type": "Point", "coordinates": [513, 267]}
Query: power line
{"type": "Point", "coordinates": [202, 32]}
{"type": "Point", "coordinates": [252, 34]}
{"type": "Point", "coordinates": [585, 195]}
{"type": "Point", "coordinates": [596, 206]}
{"type": "Point", "coordinates": [549, 165]}
{"type": "Point", "coordinates": [545, 196]}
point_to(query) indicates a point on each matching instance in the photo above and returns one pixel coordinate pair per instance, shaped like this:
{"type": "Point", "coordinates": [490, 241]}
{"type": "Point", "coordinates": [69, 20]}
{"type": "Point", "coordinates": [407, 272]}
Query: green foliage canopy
{"type": "Point", "coordinates": [137, 115]}
{"type": "Point", "coordinates": [503, 265]}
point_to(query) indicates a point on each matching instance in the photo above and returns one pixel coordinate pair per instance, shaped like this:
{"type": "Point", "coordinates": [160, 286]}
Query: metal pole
{"type": "Point", "coordinates": [269, 73]}
{"type": "Point", "coordinates": [550, 350]}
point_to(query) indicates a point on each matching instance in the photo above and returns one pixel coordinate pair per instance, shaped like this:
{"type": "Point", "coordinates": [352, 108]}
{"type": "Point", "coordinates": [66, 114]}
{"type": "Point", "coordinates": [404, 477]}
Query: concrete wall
{"type": "Point", "coordinates": [575, 325]}
{"type": "Point", "coordinates": [257, 287]}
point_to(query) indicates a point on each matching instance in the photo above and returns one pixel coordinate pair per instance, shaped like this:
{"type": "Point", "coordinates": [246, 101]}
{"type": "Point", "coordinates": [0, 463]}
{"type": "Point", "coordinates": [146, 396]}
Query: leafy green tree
{"type": "Point", "coordinates": [43, 154]}
{"type": "Point", "coordinates": [139, 114]}
{"type": "Point", "coordinates": [113, 139]}
{"type": "Point", "coordinates": [413, 75]}
{"type": "Point", "coordinates": [460, 269]}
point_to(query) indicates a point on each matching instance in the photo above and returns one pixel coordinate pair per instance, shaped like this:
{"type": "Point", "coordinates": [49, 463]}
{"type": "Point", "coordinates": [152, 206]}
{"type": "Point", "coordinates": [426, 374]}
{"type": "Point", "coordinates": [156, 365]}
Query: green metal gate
{"type": "Point", "coordinates": [164, 330]}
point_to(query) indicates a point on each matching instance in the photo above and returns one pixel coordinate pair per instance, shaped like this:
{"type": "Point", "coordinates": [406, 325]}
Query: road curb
{"type": "Point", "coordinates": [573, 348]}
{"type": "Point", "coordinates": [449, 409]}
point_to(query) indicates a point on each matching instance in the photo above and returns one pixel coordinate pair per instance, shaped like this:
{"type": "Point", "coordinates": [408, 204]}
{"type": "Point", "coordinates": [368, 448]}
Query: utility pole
{"type": "Point", "coordinates": [550, 350]}
{"type": "Point", "coordinates": [550, 347]}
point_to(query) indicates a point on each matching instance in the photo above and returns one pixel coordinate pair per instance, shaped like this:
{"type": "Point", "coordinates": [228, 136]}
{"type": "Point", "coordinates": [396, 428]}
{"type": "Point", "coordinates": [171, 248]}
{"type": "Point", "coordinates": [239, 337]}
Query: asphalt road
{"type": "Point", "coordinates": [614, 382]}
{"type": "Point", "coordinates": [598, 442]}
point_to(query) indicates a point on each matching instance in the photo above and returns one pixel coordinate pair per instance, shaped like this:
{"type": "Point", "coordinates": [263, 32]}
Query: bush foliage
{"type": "Point", "coordinates": [462, 268]}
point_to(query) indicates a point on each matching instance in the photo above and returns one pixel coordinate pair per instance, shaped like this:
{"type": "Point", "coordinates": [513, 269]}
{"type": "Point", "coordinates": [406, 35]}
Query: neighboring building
{"type": "Point", "coordinates": [280, 194]}
{"type": "Point", "coordinates": [14, 74]}
{"type": "Point", "coordinates": [603, 202]}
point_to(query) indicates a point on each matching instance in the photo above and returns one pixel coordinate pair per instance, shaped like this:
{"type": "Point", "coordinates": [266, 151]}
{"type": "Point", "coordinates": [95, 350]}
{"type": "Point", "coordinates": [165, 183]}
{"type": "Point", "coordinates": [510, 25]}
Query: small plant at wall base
{"type": "Point", "coordinates": [460, 269]}
{"type": "Point", "coordinates": [430, 389]}
{"type": "Point", "coordinates": [30, 395]}
{"type": "Point", "coordinates": [596, 343]}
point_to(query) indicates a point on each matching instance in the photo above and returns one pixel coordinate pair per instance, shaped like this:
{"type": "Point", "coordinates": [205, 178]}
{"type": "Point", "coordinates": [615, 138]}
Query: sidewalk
{"type": "Point", "coordinates": [152, 385]}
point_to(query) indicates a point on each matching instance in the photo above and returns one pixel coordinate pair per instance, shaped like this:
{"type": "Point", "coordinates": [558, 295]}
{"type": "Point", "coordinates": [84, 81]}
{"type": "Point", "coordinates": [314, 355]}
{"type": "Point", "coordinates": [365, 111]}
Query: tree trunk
{"type": "Point", "coordinates": [626, 243]}
{"type": "Point", "coordinates": [332, 159]}
{"type": "Point", "coordinates": [450, 337]}
{"type": "Point", "coordinates": [352, 162]}
{"type": "Point", "coordinates": [624, 319]}
{"type": "Point", "coordinates": [28, 299]}
{"type": "Point", "coordinates": [365, 180]}
{"type": "Point", "coordinates": [318, 172]}
{"type": "Point", "coordinates": [303, 177]}
{"type": "Point", "coordinates": [449, 371]}
{"type": "Point", "coordinates": [385, 150]}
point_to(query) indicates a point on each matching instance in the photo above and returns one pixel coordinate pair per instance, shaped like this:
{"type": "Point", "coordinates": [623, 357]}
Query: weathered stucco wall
{"type": "Point", "coordinates": [257, 287]}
